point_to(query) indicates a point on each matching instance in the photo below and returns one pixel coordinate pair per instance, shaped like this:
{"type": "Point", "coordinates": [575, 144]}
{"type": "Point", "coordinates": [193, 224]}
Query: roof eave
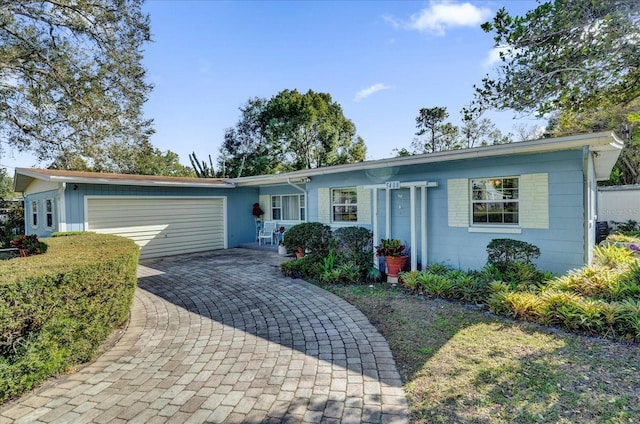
{"type": "Point", "coordinates": [601, 142]}
{"type": "Point", "coordinates": [24, 177]}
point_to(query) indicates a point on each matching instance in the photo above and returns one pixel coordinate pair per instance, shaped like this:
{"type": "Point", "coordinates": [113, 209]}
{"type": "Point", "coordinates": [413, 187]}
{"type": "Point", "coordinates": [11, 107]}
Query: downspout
{"type": "Point", "coordinates": [585, 201]}
{"type": "Point", "coordinates": [306, 198]}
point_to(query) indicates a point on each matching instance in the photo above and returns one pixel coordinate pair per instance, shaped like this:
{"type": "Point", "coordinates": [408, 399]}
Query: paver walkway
{"type": "Point", "coordinates": [222, 337]}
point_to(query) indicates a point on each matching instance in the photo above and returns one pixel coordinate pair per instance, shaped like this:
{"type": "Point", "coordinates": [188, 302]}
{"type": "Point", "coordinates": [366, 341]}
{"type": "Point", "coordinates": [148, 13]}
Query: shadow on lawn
{"type": "Point", "coordinates": [463, 365]}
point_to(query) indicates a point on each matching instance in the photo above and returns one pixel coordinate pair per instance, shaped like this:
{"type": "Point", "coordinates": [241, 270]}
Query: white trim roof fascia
{"type": "Point", "coordinates": [600, 142]}
{"type": "Point", "coordinates": [24, 176]}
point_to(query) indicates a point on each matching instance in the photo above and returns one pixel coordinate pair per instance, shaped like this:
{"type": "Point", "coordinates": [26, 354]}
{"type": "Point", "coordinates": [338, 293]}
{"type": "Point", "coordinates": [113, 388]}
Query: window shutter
{"type": "Point", "coordinates": [324, 205]}
{"type": "Point", "coordinates": [534, 201]}
{"type": "Point", "coordinates": [364, 205]}
{"type": "Point", "coordinates": [265, 205]}
{"type": "Point", "coordinates": [458, 202]}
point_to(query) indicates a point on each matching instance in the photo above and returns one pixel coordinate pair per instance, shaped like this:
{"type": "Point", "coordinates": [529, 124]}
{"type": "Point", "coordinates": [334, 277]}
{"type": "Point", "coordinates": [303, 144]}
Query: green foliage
{"type": "Point", "coordinates": [312, 236]}
{"type": "Point", "coordinates": [435, 285]}
{"type": "Point", "coordinates": [612, 256]}
{"type": "Point", "coordinates": [565, 55]}
{"type": "Point", "coordinates": [503, 253]}
{"type": "Point", "coordinates": [356, 245]}
{"type": "Point", "coordinates": [304, 267]}
{"type": "Point", "coordinates": [440, 269]}
{"type": "Point", "coordinates": [56, 309]}
{"type": "Point", "coordinates": [390, 247]}
{"type": "Point", "coordinates": [290, 131]}
{"type": "Point", "coordinates": [628, 228]}
{"type": "Point", "coordinates": [345, 256]}
{"type": "Point", "coordinates": [409, 279]}
{"type": "Point", "coordinates": [82, 88]}
{"type": "Point", "coordinates": [439, 135]}
{"type": "Point", "coordinates": [201, 168]}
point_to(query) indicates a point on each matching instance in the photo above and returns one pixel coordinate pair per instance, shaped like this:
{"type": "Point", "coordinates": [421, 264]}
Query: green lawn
{"type": "Point", "coordinates": [463, 365]}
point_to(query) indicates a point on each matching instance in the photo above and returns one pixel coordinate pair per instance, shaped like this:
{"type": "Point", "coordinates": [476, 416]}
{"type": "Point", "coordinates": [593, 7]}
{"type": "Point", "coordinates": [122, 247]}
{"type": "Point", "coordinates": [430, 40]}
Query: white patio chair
{"type": "Point", "coordinates": [267, 232]}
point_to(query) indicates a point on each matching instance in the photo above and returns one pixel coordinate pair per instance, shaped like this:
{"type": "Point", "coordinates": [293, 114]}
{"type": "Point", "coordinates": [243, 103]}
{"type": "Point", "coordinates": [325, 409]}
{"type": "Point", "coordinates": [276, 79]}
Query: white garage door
{"type": "Point", "coordinates": [161, 226]}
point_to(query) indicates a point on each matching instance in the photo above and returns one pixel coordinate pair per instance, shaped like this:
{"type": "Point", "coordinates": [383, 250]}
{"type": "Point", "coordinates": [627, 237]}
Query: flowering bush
{"type": "Point", "coordinates": [29, 243]}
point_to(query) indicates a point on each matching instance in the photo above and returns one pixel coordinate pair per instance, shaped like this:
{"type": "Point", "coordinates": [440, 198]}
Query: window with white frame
{"type": "Point", "coordinates": [287, 207]}
{"type": "Point", "coordinates": [495, 201]}
{"type": "Point", "coordinates": [34, 213]}
{"type": "Point", "coordinates": [344, 204]}
{"type": "Point", "coordinates": [48, 211]}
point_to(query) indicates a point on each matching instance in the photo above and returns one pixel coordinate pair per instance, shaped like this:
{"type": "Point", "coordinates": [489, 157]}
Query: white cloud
{"type": "Point", "coordinates": [493, 56]}
{"type": "Point", "coordinates": [442, 15]}
{"type": "Point", "coordinates": [362, 94]}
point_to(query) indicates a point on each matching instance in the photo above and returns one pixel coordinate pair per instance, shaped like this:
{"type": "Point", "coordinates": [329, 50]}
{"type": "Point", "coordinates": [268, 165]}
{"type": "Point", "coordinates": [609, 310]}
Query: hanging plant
{"type": "Point", "coordinates": [257, 211]}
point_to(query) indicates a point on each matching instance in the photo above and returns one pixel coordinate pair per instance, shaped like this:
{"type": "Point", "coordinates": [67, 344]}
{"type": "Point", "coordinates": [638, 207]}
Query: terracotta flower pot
{"type": "Point", "coordinates": [395, 264]}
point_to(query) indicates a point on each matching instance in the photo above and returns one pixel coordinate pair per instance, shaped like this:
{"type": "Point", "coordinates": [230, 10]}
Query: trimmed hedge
{"type": "Point", "coordinates": [56, 309]}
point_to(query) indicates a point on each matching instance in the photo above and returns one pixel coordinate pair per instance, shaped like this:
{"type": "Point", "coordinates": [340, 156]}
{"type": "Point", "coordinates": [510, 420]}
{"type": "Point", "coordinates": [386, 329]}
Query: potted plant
{"type": "Point", "coordinates": [395, 256]}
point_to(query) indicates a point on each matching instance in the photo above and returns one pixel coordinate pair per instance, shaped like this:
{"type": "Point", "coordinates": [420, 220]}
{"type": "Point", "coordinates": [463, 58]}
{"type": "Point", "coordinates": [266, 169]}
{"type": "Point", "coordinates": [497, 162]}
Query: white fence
{"type": "Point", "coordinates": [619, 203]}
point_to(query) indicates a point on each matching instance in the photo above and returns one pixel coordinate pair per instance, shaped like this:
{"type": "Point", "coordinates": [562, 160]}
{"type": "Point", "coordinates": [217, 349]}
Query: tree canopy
{"type": "Point", "coordinates": [624, 119]}
{"type": "Point", "coordinates": [435, 134]}
{"type": "Point", "coordinates": [570, 55]}
{"type": "Point", "coordinates": [71, 76]}
{"type": "Point", "coordinates": [578, 60]}
{"type": "Point", "coordinates": [288, 132]}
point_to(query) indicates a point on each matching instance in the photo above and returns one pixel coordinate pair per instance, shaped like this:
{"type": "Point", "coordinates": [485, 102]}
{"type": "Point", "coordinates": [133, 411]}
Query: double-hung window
{"type": "Point", "coordinates": [344, 204]}
{"type": "Point", "coordinates": [48, 210]}
{"type": "Point", "coordinates": [288, 207]}
{"type": "Point", "coordinates": [34, 213]}
{"type": "Point", "coordinates": [495, 201]}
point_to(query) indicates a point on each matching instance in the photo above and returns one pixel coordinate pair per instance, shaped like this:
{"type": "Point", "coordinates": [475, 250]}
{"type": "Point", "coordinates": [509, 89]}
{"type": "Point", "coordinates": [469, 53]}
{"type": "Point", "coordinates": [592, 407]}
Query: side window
{"type": "Point", "coordinates": [288, 207]}
{"type": "Point", "coordinates": [34, 213]}
{"type": "Point", "coordinates": [48, 210]}
{"type": "Point", "coordinates": [495, 201]}
{"type": "Point", "coordinates": [344, 204]}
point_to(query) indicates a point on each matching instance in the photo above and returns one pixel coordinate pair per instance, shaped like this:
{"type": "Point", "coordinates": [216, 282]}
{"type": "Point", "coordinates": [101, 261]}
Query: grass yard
{"type": "Point", "coordinates": [464, 365]}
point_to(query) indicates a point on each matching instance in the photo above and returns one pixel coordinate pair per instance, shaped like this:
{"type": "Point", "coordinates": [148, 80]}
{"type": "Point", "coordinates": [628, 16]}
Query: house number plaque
{"type": "Point", "coordinates": [393, 184]}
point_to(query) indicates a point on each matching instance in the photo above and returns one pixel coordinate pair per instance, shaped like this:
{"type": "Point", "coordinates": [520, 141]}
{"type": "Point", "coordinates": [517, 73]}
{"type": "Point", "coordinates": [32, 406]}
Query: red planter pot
{"type": "Point", "coordinates": [395, 264]}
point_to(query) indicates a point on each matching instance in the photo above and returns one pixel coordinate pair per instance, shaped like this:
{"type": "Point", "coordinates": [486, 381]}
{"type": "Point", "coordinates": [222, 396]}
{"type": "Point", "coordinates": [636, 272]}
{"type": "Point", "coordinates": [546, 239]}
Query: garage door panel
{"type": "Point", "coordinates": [161, 226]}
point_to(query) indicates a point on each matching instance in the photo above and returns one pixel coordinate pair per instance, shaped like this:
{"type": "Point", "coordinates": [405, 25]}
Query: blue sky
{"type": "Point", "coordinates": [380, 60]}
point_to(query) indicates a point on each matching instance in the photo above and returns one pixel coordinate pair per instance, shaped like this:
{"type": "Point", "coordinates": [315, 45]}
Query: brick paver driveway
{"type": "Point", "coordinates": [223, 337]}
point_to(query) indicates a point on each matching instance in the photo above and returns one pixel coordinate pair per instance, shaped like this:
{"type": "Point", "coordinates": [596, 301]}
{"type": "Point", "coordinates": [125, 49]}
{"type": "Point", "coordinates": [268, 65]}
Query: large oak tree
{"type": "Point", "coordinates": [288, 132]}
{"type": "Point", "coordinates": [572, 55]}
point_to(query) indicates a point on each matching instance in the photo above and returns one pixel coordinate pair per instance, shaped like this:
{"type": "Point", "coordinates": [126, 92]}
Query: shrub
{"type": "Point", "coordinates": [628, 319]}
{"type": "Point", "coordinates": [30, 243]}
{"type": "Point", "coordinates": [629, 228]}
{"type": "Point", "coordinates": [435, 285]}
{"type": "Point", "coordinates": [613, 256]}
{"type": "Point", "coordinates": [504, 252]}
{"type": "Point", "coordinates": [467, 288]}
{"type": "Point", "coordinates": [312, 236]}
{"type": "Point", "coordinates": [356, 245]}
{"type": "Point", "coordinates": [300, 268]}
{"type": "Point", "coordinates": [56, 309]}
{"type": "Point", "coordinates": [410, 279]}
